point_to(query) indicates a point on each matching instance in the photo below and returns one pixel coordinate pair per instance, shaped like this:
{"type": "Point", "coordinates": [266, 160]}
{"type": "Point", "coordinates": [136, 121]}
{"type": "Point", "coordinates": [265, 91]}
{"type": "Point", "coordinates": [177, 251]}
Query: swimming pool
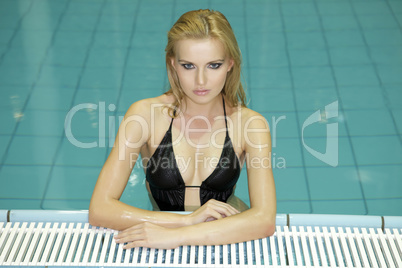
{"type": "Point", "coordinates": [92, 59]}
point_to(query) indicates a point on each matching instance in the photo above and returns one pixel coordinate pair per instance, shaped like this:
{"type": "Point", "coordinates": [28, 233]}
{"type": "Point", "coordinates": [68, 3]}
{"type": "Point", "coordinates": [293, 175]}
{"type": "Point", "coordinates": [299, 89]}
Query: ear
{"type": "Point", "coordinates": [231, 63]}
{"type": "Point", "coordinates": [172, 62]}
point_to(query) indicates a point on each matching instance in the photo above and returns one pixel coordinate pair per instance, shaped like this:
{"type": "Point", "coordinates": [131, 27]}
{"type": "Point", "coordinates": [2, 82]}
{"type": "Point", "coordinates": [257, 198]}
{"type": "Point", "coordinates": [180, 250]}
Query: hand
{"type": "Point", "coordinates": [149, 235]}
{"type": "Point", "coordinates": [210, 211]}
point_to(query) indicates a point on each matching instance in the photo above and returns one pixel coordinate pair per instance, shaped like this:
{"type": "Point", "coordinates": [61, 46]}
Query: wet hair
{"type": "Point", "coordinates": [202, 24]}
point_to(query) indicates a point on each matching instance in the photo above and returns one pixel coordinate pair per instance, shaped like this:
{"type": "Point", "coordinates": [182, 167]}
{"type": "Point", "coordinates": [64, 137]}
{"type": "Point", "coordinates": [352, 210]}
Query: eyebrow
{"type": "Point", "coordinates": [218, 60]}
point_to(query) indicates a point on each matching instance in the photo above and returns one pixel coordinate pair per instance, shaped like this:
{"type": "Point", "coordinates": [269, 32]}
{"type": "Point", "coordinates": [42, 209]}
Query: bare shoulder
{"type": "Point", "coordinates": [249, 127]}
{"type": "Point", "coordinates": [149, 106]}
{"type": "Point", "coordinates": [252, 119]}
{"type": "Point", "coordinates": [141, 118]}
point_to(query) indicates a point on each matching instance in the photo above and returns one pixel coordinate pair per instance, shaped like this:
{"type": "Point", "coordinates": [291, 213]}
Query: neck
{"type": "Point", "coordinates": [206, 109]}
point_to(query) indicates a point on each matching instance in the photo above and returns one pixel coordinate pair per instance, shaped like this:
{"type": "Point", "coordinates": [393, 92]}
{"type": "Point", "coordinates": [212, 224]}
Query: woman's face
{"type": "Point", "coordinates": [202, 67]}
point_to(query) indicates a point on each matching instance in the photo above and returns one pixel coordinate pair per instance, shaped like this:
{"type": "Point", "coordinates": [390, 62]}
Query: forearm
{"type": "Point", "coordinates": [248, 225]}
{"type": "Point", "coordinates": [119, 216]}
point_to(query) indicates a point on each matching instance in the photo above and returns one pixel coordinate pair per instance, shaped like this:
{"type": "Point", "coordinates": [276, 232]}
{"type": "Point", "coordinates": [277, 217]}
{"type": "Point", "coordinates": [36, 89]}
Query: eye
{"type": "Point", "coordinates": [188, 66]}
{"type": "Point", "coordinates": [215, 65]}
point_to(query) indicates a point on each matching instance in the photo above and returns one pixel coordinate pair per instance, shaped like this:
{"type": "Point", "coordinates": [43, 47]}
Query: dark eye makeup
{"type": "Point", "coordinates": [189, 66]}
{"type": "Point", "coordinates": [215, 65]}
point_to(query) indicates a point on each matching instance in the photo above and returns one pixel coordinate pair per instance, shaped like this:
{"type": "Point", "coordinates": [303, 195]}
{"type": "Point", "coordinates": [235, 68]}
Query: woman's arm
{"type": "Point", "coordinates": [105, 208]}
{"type": "Point", "coordinates": [259, 220]}
{"type": "Point", "coordinates": [256, 222]}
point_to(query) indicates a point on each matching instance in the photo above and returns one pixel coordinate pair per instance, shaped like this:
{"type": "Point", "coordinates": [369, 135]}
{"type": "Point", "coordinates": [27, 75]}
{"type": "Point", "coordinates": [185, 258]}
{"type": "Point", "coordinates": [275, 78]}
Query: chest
{"type": "Point", "coordinates": [200, 149]}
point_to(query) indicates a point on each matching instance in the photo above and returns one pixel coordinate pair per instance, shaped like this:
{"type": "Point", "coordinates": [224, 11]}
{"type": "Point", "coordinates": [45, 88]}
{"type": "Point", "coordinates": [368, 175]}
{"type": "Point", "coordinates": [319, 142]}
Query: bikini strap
{"type": "Point", "coordinates": [224, 111]}
{"type": "Point", "coordinates": [171, 122]}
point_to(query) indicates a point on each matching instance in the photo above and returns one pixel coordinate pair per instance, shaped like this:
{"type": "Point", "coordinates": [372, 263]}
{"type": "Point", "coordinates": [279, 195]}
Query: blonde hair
{"type": "Point", "coordinates": [201, 24]}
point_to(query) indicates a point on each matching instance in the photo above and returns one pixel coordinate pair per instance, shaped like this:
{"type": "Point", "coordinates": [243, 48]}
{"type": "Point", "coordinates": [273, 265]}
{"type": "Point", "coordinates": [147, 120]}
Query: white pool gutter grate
{"type": "Point", "coordinates": [79, 244]}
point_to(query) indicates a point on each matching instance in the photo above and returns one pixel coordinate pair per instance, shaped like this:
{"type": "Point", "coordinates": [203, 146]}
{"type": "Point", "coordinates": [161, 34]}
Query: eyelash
{"type": "Point", "coordinates": [189, 66]}
{"type": "Point", "coordinates": [217, 65]}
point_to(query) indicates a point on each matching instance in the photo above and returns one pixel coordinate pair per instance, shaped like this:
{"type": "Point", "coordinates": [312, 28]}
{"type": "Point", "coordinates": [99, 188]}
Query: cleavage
{"type": "Point", "coordinates": [197, 159]}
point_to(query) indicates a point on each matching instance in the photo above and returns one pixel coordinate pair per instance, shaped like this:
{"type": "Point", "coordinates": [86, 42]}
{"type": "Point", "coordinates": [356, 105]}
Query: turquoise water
{"type": "Point", "coordinates": [92, 59]}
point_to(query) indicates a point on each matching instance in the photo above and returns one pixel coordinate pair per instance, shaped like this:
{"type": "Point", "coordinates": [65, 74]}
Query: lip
{"type": "Point", "coordinates": [201, 92]}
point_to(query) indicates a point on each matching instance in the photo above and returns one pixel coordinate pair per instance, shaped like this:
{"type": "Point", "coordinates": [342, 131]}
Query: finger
{"type": "Point", "coordinates": [210, 219]}
{"type": "Point", "coordinates": [232, 210]}
{"type": "Point", "coordinates": [129, 237]}
{"type": "Point", "coordinates": [130, 230]}
{"type": "Point", "coordinates": [214, 214]}
{"type": "Point", "coordinates": [224, 209]}
{"type": "Point", "coordinates": [135, 244]}
{"type": "Point", "coordinates": [214, 208]}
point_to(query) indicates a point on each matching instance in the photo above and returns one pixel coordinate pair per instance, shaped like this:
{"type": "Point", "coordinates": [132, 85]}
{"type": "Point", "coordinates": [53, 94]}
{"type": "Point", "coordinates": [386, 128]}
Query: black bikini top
{"type": "Point", "coordinates": [167, 185]}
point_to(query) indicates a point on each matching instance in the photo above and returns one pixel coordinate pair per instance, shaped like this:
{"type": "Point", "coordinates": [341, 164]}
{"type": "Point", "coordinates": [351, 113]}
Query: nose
{"type": "Point", "coordinates": [201, 78]}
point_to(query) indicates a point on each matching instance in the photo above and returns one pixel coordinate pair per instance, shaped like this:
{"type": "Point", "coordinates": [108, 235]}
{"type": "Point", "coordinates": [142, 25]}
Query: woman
{"type": "Point", "coordinates": [193, 141]}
